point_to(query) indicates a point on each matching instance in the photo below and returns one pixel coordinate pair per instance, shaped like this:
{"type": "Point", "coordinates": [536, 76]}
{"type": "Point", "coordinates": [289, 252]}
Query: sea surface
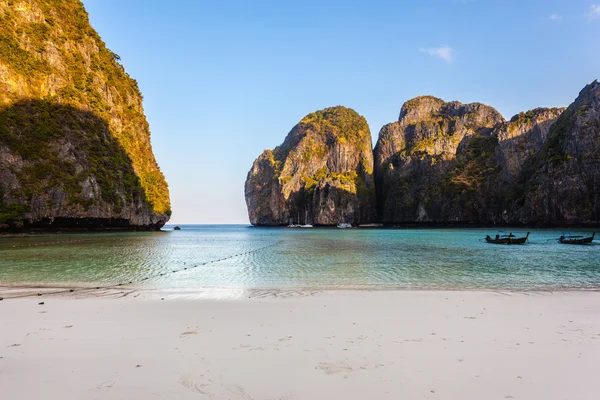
{"type": "Point", "coordinates": [244, 257]}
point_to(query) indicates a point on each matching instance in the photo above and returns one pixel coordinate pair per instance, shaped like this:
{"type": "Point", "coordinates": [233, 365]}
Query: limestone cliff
{"type": "Point", "coordinates": [441, 163]}
{"type": "Point", "coordinates": [435, 151]}
{"type": "Point", "coordinates": [520, 143]}
{"type": "Point", "coordinates": [74, 143]}
{"type": "Point", "coordinates": [322, 174]}
{"type": "Point", "coordinates": [449, 163]}
{"type": "Point", "coordinates": [564, 188]}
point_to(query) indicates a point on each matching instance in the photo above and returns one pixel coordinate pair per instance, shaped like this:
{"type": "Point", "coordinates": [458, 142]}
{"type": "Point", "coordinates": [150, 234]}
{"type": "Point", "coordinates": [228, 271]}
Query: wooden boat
{"type": "Point", "coordinates": [506, 239]}
{"type": "Point", "coordinates": [577, 239]}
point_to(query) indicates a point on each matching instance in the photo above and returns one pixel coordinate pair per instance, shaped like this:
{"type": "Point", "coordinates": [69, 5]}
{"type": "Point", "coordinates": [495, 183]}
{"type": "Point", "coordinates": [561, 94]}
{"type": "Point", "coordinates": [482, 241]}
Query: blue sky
{"type": "Point", "coordinates": [224, 80]}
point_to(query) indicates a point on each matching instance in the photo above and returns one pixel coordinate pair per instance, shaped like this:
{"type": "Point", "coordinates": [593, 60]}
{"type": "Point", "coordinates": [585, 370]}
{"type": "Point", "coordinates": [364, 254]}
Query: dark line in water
{"type": "Point", "coordinates": [72, 290]}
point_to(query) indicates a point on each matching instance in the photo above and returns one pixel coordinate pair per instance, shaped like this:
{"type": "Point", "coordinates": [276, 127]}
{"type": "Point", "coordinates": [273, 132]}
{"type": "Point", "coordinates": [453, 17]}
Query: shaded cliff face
{"type": "Point", "coordinates": [74, 143]}
{"type": "Point", "coordinates": [520, 143]}
{"type": "Point", "coordinates": [321, 174]}
{"type": "Point", "coordinates": [454, 163]}
{"type": "Point", "coordinates": [435, 150]}
{"type": "Point", "coordinates": [565, 186]}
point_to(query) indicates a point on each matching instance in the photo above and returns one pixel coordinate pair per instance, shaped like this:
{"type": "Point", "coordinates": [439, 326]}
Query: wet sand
{"type": "Point", "coordinates": [302, 345]}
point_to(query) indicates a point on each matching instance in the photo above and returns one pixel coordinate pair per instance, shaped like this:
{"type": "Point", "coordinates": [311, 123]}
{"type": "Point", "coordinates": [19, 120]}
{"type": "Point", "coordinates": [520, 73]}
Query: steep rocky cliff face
{"type": "Point", "coordinates": [440, 163]}
{"type": "Point", "coordinates": [430, 163]}
{"type": "Point", "coordinates": [520, 143]}
{"type": "Point", "coordinates": [450, 163]}
{"type": "Point", "coordinates": [321, 174]}
{"type": "Point", "coordinates": [564, 188]}
{"type": "Point", "coordinates": [74, 143]}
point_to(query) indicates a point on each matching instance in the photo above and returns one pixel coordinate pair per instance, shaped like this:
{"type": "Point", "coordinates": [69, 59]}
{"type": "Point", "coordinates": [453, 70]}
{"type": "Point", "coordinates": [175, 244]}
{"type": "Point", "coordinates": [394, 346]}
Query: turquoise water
{"type": "Point", "coordinates": [289, 258]}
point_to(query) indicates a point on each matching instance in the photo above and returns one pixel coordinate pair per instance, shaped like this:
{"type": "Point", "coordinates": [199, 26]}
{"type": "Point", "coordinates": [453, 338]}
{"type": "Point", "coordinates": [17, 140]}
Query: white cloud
{"type": "Point", "coordinates": [555, 17]}
{"type": "Point", "coordinates": [594, 12]}
{"type": "Point", "coordinates": [444, 52]}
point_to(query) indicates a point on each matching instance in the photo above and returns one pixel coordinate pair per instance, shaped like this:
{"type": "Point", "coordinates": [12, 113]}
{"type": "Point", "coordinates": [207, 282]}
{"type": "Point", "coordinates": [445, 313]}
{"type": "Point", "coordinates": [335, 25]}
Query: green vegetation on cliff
{"type": "Point", "coordinates": [42, 127]}
{"type": "Point", "coordinates": [473, 165]}
{"type": "Point", "coordinates": [338, 124]}
{"type": "Point", "coordinates": [60, 80]}
{"type": "Point", "coordinates": [323, 170]}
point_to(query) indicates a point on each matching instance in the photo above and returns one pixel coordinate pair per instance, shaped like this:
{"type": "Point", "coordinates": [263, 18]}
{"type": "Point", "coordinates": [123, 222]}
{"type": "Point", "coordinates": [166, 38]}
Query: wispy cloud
{"type": "Point", "coordinates": [555, 17]}
{"type": "Point", "coordinates": [594, 12]}
{"type": "Point", "coordinates": [444, 52]}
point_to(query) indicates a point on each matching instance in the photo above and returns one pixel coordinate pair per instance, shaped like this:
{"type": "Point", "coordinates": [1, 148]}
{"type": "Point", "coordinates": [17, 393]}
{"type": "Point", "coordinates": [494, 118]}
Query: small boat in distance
{"type": "Point", "coordinates": [570, 239]}
{"type": "Point", "coordinates": [306, 225]}
{"type": "Point", "coordinates": [507, 239]}
{"type": "Point", "coordinates": [293, 225]}
{"type": "Point", "coordinates": [343, 225]}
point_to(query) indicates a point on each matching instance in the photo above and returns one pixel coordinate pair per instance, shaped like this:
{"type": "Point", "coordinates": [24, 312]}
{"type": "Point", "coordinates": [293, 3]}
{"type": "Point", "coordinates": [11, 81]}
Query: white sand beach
{"type": "Point", "coordinates": [303, 345]}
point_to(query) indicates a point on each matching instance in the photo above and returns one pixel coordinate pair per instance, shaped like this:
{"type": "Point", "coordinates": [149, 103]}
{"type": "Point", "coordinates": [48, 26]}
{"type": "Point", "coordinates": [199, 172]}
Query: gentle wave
{"type": "Point", "coordinates": [285, 258]}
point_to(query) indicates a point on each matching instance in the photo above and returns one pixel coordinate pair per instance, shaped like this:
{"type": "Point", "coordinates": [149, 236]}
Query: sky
{"type": "Point", "coordinates": [224, 80]}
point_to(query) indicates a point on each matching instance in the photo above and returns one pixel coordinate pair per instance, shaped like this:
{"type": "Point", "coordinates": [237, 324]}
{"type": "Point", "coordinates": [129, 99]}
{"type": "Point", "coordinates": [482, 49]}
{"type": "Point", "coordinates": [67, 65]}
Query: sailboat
{"type": "Point", "coordinates": [292, 225]}
{"type": "Point", "coordinates": [343, 225]}
{"type": "Point", "coordinates": [305, 224]}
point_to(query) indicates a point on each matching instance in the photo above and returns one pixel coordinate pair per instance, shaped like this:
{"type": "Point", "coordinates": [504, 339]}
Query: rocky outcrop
{"type": "Point", "coordinates": [322, 174]}
{"type": "Point", "coordinates": [75, 147]}
{"type": "Point", "coordinates": [449, 163]}
{"type": "Point", "coordinates": [429, 162]}
{"type": "Point", "coordinates": [520, 142]}
{"type": "Point", "coordinates": [564, 188]}
{"type": "Point", "coordinates": [440, 164]}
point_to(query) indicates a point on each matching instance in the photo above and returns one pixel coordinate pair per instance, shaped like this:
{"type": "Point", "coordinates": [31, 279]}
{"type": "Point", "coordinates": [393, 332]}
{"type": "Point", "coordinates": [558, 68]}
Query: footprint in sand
{"type": "Point", "coordinates": [106, 385]}
{"type": "Point", "coordinates": [187, 382]}
{"type": "Point", "coordinates": [334, 368]}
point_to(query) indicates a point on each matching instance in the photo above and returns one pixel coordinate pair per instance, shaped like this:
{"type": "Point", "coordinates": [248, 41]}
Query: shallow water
{"type": "Point", "coordinates": [288, 258]}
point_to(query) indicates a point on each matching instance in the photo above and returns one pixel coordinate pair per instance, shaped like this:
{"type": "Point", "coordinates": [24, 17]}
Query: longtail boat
{"type": "Point", "coordinates": [569, 239]}
{"type": "Point", "coordinates": [506, 239]}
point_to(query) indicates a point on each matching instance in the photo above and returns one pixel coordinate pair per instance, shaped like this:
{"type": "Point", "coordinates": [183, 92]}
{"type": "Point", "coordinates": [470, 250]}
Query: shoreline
{"type": "Point", "coordinates": [303, 345]}
{"type": "Point", "coordinates": [370, 227]}
{"type": "Point", "coordinates": [17, 291]}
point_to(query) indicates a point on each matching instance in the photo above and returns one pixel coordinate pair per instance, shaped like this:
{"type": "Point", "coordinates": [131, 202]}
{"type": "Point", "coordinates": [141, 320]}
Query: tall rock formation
{"type": "Point", "coordinates": [74, 143]}
{"type": "Point", "coordinates": [428, 165]}
{"type": "Point", "coordinates": [564, 188]}
{"type": "Point", "coordinates": [520, 142]}
{"type": "Point", "coordinates": [440, 164]}
{"type": "Point", "coordinates": [321, 174]}
{"type": "Point", "coordinates": [451, 163]}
